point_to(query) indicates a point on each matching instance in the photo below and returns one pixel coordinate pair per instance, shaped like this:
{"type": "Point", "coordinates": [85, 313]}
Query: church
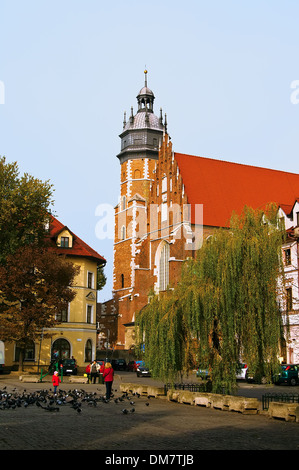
{"type": "Point", "coordinates": [169, 202]}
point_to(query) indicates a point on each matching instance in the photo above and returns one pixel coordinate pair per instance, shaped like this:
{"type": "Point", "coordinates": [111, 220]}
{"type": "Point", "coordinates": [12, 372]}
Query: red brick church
{"type": "Point", "coordinates": [168, 203]}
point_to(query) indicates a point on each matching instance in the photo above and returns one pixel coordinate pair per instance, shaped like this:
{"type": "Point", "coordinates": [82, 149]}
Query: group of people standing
{"type": "Point", "coordinates": [95, 370]}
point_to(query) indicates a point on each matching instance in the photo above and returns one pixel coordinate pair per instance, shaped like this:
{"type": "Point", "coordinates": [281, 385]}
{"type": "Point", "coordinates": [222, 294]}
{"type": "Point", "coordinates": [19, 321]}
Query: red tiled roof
{"type": "Point", "coordinates": [79, 248]}
{"type": "Point", "coordinates": [223, 187]}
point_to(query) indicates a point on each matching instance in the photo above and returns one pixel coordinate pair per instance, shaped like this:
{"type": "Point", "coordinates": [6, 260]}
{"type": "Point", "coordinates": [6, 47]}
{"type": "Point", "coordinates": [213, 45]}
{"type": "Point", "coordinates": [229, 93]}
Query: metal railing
{"type": "Point", "coordinates": [191, 387]}
{"type": "Point", "coordinates": [280, 397]}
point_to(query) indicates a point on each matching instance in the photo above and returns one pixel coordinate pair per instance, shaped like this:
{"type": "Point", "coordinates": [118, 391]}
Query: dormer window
{"type": "Point", "coordinates": [64, 242]}
{"type": "Point", "coordinates": [65, 239]}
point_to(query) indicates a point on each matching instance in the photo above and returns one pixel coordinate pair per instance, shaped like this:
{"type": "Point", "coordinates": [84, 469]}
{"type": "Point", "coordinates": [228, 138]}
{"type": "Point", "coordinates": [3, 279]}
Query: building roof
{"type": "Point", "coordinates": [79, 248]}
{"type": "Point", "coordinates": [143, 120]}
{"type": "Point", "coordinates": [223, 187]}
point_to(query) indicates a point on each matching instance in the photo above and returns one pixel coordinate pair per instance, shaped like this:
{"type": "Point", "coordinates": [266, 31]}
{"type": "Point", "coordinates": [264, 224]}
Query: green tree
{"type": "Point", "coordinates": [35, 285]}
{"type": "Point", "coordinates": [25, 203]}
{"type": "Point", "coordinates": [101, 278]}
{"type": "Point", "coordinates": [225, 306]}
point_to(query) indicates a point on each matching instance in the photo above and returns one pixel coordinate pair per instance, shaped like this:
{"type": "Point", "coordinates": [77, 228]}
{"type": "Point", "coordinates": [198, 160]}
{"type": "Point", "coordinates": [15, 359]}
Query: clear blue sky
{"type": "Point", "coordinates": [221, 70]}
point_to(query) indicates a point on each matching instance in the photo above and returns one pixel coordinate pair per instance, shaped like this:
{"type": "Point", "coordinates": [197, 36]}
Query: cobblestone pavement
{"type": "Point", "coordinates": [161, 425]}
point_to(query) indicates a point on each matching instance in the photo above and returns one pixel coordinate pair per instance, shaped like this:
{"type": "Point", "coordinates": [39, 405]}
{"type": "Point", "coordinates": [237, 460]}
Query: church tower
{"type": "Point", "coordinates": [141, 139]}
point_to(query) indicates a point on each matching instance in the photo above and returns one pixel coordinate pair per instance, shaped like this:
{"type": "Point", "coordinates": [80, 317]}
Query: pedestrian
{"type": "Point", "coordinates": [93, 372]}
{"type": "Point", "coordinates": [55, 380]}
{"type": "Point", "coordinates": [108, 378]}
{"type": "Point", "coordinates": [87, 370]}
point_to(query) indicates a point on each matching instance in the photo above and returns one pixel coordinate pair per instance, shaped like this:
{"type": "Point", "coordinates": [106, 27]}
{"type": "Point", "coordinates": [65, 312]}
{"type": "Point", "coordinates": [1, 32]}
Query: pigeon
{"type": "Point", "coordinates": [51, 408]}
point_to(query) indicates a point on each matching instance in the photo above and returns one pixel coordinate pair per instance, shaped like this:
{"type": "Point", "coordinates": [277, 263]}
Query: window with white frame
{"type": "Point", "coordinates": [164, 268]}
{"type": "Point", "coordinates": [164, 212]}
{"type": "Point", "coordinates": [287, 256]}
{"type": "Point", "coordinates": [164, 184]}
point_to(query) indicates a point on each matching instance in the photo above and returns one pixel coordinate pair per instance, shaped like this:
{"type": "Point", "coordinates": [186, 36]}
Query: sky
{"type": "Point", "coordinates": [226, 73]}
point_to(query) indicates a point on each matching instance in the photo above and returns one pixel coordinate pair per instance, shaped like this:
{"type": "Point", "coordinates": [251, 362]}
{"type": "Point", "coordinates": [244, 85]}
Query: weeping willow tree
{"type": "Point", "coordinates": [224, 308]}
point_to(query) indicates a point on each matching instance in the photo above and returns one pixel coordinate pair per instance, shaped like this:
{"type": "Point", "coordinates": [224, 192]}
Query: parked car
{"type": "Point", "coordinates": [143, 371]}
{"type": "Point", "coordinates": [69, 367]}
{"type": "Point", "coordinates": [119, 364]}
{"type": "Point", "coordinates": [289, 374]}
{"type": "Point", "coordinates": [132, 365]}
{"type": "Point", "coordinates": [241, 371]}
{"type": "Point", "coordinates": [202, 373]}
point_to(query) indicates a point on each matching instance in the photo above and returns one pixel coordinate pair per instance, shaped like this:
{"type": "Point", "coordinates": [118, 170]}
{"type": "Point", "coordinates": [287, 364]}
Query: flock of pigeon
{"type": "Point", "coordinates": [48, 401]}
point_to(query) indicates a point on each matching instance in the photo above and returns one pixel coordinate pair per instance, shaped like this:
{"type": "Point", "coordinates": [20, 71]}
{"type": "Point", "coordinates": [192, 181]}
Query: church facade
{"type": "Point", "coordinates": [169, 202]}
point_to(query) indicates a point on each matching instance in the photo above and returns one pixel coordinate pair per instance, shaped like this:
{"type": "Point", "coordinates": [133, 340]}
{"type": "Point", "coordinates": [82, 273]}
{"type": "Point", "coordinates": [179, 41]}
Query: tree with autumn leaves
{"type": "Point", "coordinates": [35, 282]}
{"type": "Point", "coordinates": [224, 308]}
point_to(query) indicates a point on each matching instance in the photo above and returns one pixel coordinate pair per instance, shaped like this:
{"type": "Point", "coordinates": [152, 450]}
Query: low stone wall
{"type": "Point", "coordinates": [212, 400]}
{"type": "Point", "coordinates": [77, 379]}
{"type": "Point", "coordinates": [29, 378]}
{"type": "Point", "coordinates": [144, 390]}
{"type": "Point", "coordinates": [286, 411]}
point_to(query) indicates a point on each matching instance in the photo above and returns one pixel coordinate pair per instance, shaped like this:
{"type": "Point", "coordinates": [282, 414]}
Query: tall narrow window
{"type": "Point", "coordinates": [89, 314]}
{"type": "Point", "coordinates": [164, 268]}
{"type": "Point", "coordinates": [123, 232]}
{"type": "Point", "coordinates": [287, 256]}
{"type": "Point", "coordinates": [122, 281]}
{"type": "Point", "coordinates": [123, 203]}
{"type": "Point", "coordinates": [88, 351]}
{"type": "Point", "coordinates": [90, 280]}
{"type": "Point", "coordinates": [289, 298]}
{"type": "Point", "coordinates": [164, 184]}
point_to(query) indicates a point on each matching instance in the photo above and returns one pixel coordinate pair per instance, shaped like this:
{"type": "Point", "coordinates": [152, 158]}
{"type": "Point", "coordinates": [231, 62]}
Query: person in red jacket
{"type": "Point", "coordinates": [55, 380]}
{"type": "Point", "coordinates": [87, 370]}
{"type": "Point", "coordinates": [108, 379]}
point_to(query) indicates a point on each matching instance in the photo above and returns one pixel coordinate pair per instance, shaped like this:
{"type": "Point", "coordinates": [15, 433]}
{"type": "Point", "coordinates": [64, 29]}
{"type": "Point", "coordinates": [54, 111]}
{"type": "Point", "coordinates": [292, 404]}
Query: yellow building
{"type": "Point", "coordinates": [76, 333]}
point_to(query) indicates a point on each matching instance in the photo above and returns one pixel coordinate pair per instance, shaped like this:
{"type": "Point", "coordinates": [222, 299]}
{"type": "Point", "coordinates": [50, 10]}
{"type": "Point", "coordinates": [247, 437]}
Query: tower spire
{"type": "Point", "coordinates": [145, 77]}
